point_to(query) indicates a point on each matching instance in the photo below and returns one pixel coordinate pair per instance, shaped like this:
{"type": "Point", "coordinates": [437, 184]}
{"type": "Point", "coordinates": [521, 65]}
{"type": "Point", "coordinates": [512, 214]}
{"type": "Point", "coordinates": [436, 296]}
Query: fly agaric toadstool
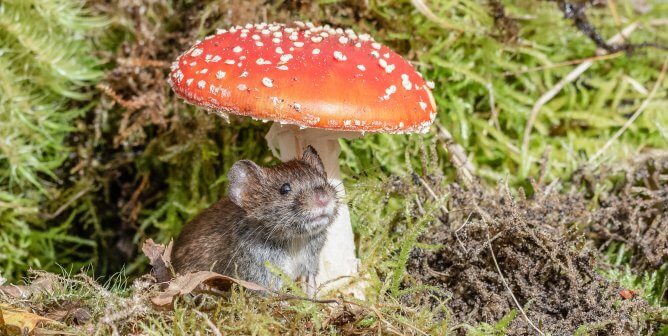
{"type": "Point", "coordinates": [317, 84]}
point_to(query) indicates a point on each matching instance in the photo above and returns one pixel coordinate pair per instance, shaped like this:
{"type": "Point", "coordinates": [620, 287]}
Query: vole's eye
{"type": "Point", "coordinates": [285, 188]}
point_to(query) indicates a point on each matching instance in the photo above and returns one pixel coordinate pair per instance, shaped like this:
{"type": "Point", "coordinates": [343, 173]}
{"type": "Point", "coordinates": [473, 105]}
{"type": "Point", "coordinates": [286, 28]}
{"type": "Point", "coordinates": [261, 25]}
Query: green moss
{"type": "Point", "coordinates": [45, 61]}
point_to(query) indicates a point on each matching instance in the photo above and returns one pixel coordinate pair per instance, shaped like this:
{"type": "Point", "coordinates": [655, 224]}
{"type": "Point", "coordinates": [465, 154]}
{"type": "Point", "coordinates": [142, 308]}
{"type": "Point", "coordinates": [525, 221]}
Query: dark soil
{"type": "Point", "coordinates": [637, 215]}
{"type": "Point", "coordinates": [542, 255]}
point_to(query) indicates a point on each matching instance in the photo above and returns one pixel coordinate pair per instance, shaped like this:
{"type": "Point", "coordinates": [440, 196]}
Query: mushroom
{"type": "Point", "coordinates": [318, 84]}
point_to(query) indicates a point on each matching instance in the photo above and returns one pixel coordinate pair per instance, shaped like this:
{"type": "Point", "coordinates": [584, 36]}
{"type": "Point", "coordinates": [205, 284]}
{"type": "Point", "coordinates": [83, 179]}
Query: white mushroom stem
{"type": "Point", "coordinates": [338, 262]}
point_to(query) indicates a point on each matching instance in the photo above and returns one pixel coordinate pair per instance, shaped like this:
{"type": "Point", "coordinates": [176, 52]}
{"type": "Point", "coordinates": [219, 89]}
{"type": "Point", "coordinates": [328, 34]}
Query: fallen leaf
{"type": "Point", "coordinates": [160, 258]}
{"type": "Point", "coordinates": [627, 294]}
{"type": "Point", "coordinates": [22, 320]}
{"type": "Point", "coordinates": [39, 285]}
{"type": "Point", "coordinates": [184, 284]}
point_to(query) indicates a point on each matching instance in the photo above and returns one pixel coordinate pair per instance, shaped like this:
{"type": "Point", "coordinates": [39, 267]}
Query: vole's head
{"type": "Point", "coordinates": [292, 199]}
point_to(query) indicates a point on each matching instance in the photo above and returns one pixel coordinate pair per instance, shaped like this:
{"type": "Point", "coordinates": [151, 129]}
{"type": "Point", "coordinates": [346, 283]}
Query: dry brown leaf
{"type": "Point", "coordinates": [39, 285]}
{"type": "Point", "coordinates": [184, 284]}
{"type": "Point", "coordinates": [160, 258]}
{"type": "Point", "coordinates": [22, 320]}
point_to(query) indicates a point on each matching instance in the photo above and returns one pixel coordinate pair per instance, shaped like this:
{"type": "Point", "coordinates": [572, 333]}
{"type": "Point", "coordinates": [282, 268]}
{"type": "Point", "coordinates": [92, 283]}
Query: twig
{"type": "Point", "coordinates": [206, 319]}
{"type": "Point", "coordinates": [461, 227]}
{"type": "Point", "coordinates": [69, 202]}
{"type": "Point", "coordinates": [132, 105]}
{"type": "Point", "coordinates": [432, 193]}
{"type": "Point", "coordinates": [423, 8]}
{"type": "Point", "coordinates": [547, 96]}
{"type": "Point", "coordinates": [498, 269]}
{"type": "Point", "coordinates": [141, 62]}
{"type": "Point", "coordinates": [635, 115]}
{"type": "Point", "coordinates": [457, 155]}
{"type": "Point", "coordinates": [565, 63]}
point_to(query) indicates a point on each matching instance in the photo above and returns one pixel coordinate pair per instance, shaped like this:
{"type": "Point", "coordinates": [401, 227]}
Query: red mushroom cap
{"type": "Point", "coordinates": [310, 76]}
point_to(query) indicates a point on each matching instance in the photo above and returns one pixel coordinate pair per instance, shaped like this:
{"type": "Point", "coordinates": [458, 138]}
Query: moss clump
{"type": "Point", "coordinates": [46, 62]}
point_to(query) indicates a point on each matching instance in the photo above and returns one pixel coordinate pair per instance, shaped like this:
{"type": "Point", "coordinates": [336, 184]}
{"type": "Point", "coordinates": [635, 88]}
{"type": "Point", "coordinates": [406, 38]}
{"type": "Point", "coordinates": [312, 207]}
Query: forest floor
{"type": "Point", "coordinates": [562, 230]}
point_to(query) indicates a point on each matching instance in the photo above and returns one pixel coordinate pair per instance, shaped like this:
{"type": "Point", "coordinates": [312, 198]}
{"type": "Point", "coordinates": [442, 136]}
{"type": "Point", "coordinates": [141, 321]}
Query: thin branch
{"type": "Point", "coordinates": [565, 63]}
{"type": "Point", "coordinates": [423, 8]}
{"type": "Point", "coordinates": [498, 269]}
{"type": "Point", "coordinates": [432, 194]}
{"type": "Point", "coordinates": [573, 75]}
{"type": "Point", "coordinates": [635, 115]}
{"type": "Point", "coordinates": [457, 155]}
{"type": "Point", "coordinates": [206, 319]}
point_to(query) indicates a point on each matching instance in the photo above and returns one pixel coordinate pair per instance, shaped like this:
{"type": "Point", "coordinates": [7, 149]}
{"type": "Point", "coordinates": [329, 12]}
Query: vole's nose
{"type": "Point", "coordinates": [321, 197]}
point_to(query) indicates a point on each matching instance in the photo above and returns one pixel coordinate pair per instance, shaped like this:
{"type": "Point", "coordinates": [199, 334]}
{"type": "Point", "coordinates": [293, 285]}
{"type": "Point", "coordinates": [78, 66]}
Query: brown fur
{"type": "Point", "coordinates": [257, 224]}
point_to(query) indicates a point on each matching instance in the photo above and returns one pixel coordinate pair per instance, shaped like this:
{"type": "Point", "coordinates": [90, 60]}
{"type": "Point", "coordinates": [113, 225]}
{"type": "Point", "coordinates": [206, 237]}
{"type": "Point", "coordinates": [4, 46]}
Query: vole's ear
{"type": "Point", "coordinates": [312, 158]}
{"type": "Point", "coordinates": [241, 175]}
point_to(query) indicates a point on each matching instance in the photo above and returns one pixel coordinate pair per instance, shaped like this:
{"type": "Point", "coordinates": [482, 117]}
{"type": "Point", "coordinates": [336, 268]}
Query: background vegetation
{"type": "Point", "coordinates": [96, 154]}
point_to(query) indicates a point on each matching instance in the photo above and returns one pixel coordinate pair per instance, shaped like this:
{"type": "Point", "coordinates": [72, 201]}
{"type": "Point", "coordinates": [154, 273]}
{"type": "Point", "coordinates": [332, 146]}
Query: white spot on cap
{"type": "Point", "coordinates": [207, 58]}
{"type": "Point", "coordinates": [220, 74]}
{"type": "Point", "coordinates": [201, 84]}
{"type": "Point", "coordinates": [343, 40]}
{"type": "Point", "coordinates": [423, 105]}
{"type": "Point", "coordinates": [267, 82]}
{"type": "Point", "coordinates": [244, 74]}
{"type": "Point", "coordinates": [299, 44]}
{"type": "Point", "coordinates": [237, 49]}
{"type": "Point", "coordinates": [279, 50]}
{"type": "Point", "coordinates": [316, 51]}
{"type": "Point", "coordinates": [361, 67]}
{"type": "Point", "coordinates": [375, 54]}
{"type": "Point", "coordinates": [430, 84]}
{"type": "Point", "coordinates": [386, 55]}
{"type": "Point", "coordinates": [221, 31]}
{"type": "Point", "coordinates": [189, 81]}
{"type": "Point", "coordinates": [278, 34]}
{"type": "Point", "coordinates": [216, 58]}
{"type": "Point", "coordinates": [382, 63]}
{"type": "Point", "coordinates": [193, 64]}
{"type": "Point", "coordinates": [242, 87]}
{"type": "Point", "coordinates": [196, 52]}
{"type": "Point", "coordinates": [376, 45]}
{"type": "Point", "coordinates": [293, 37]}
{"type": "Point", "coordinates": [265, 32]}
{"type": "Point", "coordinates": [229, 61]}
{"type": "Point", "coordinates": [255, 37]}
{"type": "Point", "coordinates": [297, 107]}
{"type": "Point", "coordinates": [282, 67]}
{"type": "Point", "coordinates": [276, 40]}
{"type": "Point", "coordinates": [340, 56]}
{"type": "Point", "coordinates": [259, 44]}
{"type": "Point", "coordinates": [357, 45]}
{"type": "Point", "coordinates": [286, 57]}
{"type": "Point", "coordinates": [178, 75]}
{"type": "Point", "coordinates": [405, 82]}
{"type": "Point", "coordinates": [388, 92]}
{"type": "Point", "coordinates": [316, 39]}
{"type": "Point", "coordinates": [261, 61]}
{"type": "Point", "coordinates": [389, 68]}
